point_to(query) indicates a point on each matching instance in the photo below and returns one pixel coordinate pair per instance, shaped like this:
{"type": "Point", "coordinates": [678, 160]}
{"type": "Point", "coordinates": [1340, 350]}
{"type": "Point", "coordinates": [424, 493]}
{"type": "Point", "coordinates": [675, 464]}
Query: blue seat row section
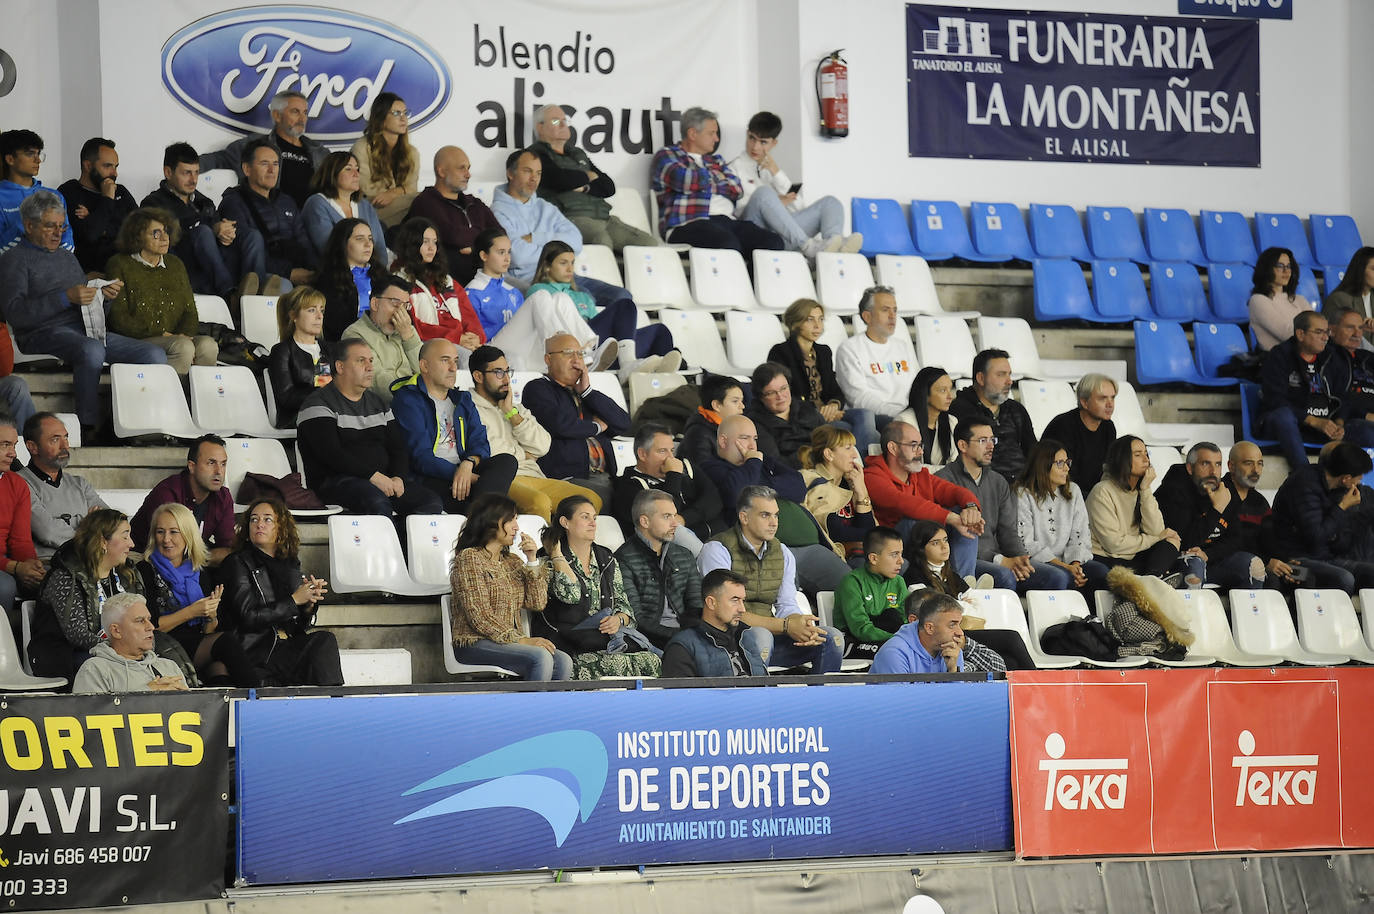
{"type": "Point", "coordinates": [1162, 354]}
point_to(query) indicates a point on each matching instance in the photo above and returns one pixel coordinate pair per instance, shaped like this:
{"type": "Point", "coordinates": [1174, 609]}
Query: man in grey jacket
{"type": "Point", "coordinates": [124, 661]}
{"type": "Point", "coordinates": [59, 499]}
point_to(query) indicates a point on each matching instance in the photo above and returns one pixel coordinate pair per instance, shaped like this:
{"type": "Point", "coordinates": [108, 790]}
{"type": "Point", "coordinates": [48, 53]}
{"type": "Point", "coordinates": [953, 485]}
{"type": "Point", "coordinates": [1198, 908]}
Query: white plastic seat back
{"type": "Point", "coordinates": [912, 282]}
{"type": "Point", "coordinates": [627, 205]}
{"type": "Point", "coordinates": [1014, 335]}
{"type": "Point", "coordinates": [944, 341]}
{"type": "Point", "coordinates": [1044, 400]}
{"type": "Point", "coordinates": [147, 400]}
{"type": "Point", "coordinates": [696, 337]}
{"type": "Point", "coordinates": [1212, 631]}
{"type": "Point", "coordinates": [483, 190]}
{"type": "Point", "coordinates": [720, 281]}
{"type": "Point", "coordinates": [226, 398]}
{"type": "Point", "coordinates": [655, 278]}
{"type": "Point", "coordinates": [608, 532]}
{"type": "Point", "coordinates": [841, 280]}
{"type": "Point", "coordinates": [1327, 625]}
{"type": "Point", "coordinates": [216, 181]}
{"type": "Point", "coordinates": [606, 382]}
{"type": "Point", "coordinates": [365, 555]}
{"type": "Point", "coordinates": [215, 310]}
{"type": "Point", "coordinates": [598, 262]}
{"type": "Point", "coordinates": [1001, 609]}
{"type": "Point", "coordinates": [749, 336]}
{"type": "Point", "coordinates": [1105, 600]}
{"type": "Point", "coordinates": [1366, 608]}
{"type": "Point", "coordinates": [1129, 418]}
{"type": "Point", "coordinates": [780, 278]}
{"type": "Point", "coordinates": [451, 663]}
{"type": "Point", "coordinates": [13, 674]}
{"type": "Point", "coordinates": [1162, 457]}
{"type": "Point", "coordinates": [834, 333]}
{"type": "Point", "coordinates": [1262, 625]}
{"type": "Point", "coordinates": [430, 538]}
{"type": "Point", "coordinates": [646, 385]}
{"type": "Point", "coordinates": [259, 313]}
{"type": "Point", "coordinates": [532, 524]}
{"type": "Point", "coordinates": [1048, 608]}
{"type": "Point", "coordinates": [253, 455]}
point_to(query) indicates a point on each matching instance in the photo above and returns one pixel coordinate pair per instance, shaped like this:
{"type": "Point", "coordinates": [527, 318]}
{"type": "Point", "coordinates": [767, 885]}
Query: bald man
{"type": "Point", "coordinates": [1244, 467]}
{"type": "Point", "coordinates": [457, 215]}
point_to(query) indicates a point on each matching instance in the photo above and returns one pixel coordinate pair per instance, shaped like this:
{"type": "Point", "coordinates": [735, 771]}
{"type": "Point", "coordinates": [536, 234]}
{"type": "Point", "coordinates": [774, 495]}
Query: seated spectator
{"type": "Point", "coordinates": [787, 421]}
{"type": "Point", "coordinates": [257, 201]}
{"type": "Point", "coordinates": [158, 305]}
{"type": "Point", "coordinates": [268, 605]}
{"type": "Point", "coordinates": [1317, 511]}
{"type": "Point", "coordinates": [988, 399]}
{"type": "Point", "coordinates": [439, 307]}
{"type": "Point", "coordinates": [21, 156]}
{"type": "Point", "coordinates": [492, 588]}
{"type": "Point", "coordinates": [769, 199]}
{"type": "Point", "coordinates": [448, 442]}
{"type": "Point", "coordinates": [389, 165]}
{"type": "Point", "coordinates": [1193, 501]}
{"type": "Point", "coordinates": [47, 303]}
{"type": "Point", "coordinates": [1052, 519]}
{"type": "Point", "coordinates": [299, 155]}
{"type": "Point", "coordinates": [530, 222]}
{"type": "Point", "coordinates": [21, 570]}
{"type": "Point", "coordinates": [511, 429]}
{"type": "Point", "coordinates": [493, 298]}
{"type": "Point", "coordinates": [932, 392]}
{"type": "Point", "coordinates": [1087, 431]}
{"type": "Point", "coordinates": [661, 580]}
{"type": "Point", "coordinates": [97, 204]}
{"type": "Point", "coordinates": [1274, 300]}
{"type": "Point", "coordinates": [1347, 334]}
{"type": "Point", "coordinates": [125, 661]}
{"type": "Point", "coordinates": [577, 187]}
{"type": "Point", "coordinates": [1001, 552]}
{"type": "Point", "coordinates": [656, 469]}
{"type": "Point", "coordinates": [14, 392]}
{"type": "Point", "coordinates": [581, 421]}
{"type": "Point", "coordinates": [1245, 464]}
{"type": "Point", "coordinates": [719, 645]}
{"type": "Point", "coordinates": [386, 328]}
{"type": "Point", "coordinates": [836, 493]}
{"type": "Point", "coordinates": [1123, 515]}
{"type": "Point", "coordinates": [875, 368]}
{"type": "Point", "coordinates": [933, 641]}
{"type": "Point", "coordinates": [215, 250]}
{"type": "Point", "coordinates": [868, 601]}
{"type": "Point", "coordinates": [722, 396]}
{"type": "Point", "coordinates": [354, 450]}
{"type": "Point", "coordinates": [904, 490]}
{"type": "Point", "coordinates": [812, 369]}
{"type": "Point", "coordinates": [786, 636]}
{"type": "Point", "coordinates": [298, 365]}
{"type": "Point", "coordinates": [350, 267]}
{"type": "Point", "coordinates": [459, 216]}
{"type": "Point", "coordinates": [185, 603]}
{"type": "Point", "coordinates": [335, 193]}
{"type": "Point", "coordinates": [697, 192]}
{"type": "Point", "coordinates": [1353, 293]}
{"type": "Point", "coordinates": [200, 487]}
{"type": "Point", "coordinates": [58, 499]}
{"type": "Point", "coordinates": [588, 615]}
{"type": "Point", "coordinates": [1304, 380]}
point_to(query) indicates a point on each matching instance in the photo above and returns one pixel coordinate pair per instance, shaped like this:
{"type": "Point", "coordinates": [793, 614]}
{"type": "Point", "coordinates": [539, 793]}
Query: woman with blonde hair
{"type": "Point", "coordinates": [300, 363]}
{"type": "Point", "coordinates": [836, 495]}
{"type": "Point", "coordinates": [812, 367]}
{"type": "Point", "coordinates": [388, 166]}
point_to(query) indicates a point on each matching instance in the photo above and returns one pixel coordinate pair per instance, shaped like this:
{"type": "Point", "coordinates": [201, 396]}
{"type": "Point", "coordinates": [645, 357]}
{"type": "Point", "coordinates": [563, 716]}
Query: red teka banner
{"type": "Point", "coordinates": [1184, 761]}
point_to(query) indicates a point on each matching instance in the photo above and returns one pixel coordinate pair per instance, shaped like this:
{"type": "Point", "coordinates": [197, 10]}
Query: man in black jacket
{"type": "Point", "coordinates": [1318, 510]}
{"type": "Point", "coordinates": [1197, 503]}
{"type": "Point", "coordinates": [656, 468]}
{"type": "Point", "coordinates": [989, 400]}
{"type": "Point", "coordinates": [661, 579]}
{"type": "Point", "coordinates": [97, 204]}
{"type": "Point", "coordinates": [300, 155]}
{"type": "Point", "coordinates": [258, 202]}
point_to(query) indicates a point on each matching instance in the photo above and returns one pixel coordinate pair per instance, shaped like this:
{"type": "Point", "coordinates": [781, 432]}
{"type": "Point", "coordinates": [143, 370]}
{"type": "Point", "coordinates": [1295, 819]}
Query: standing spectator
{"type": "Point", "coordinates": [298, 365]}
{"type": "Point", "coordinates": [694, 496]}
{"type": "Point", "coordinates": [812, 368]}
{"type": "Point", "coordinates": [200, 487]}
{"type": "Point", "coordinates": [1087, 431]}
{"type": "Point", "coordinates": [386, 327]}
{"type": "Point", "coordinates": [335, 193]}
{"type": "Point", "coordinates": [932, 393]}
{"type": "Point", "coordinates": [868, 601]}
{"type": "Point", "coordinates": [1052, 519]}
{"type": "Point", "coordinates": [125, 661]}
{"type": "Point", "coordinates": [299, 154]}
{"type": "Point", "coordinates": [661, 580]}
{"type": "Point", "coordinates": [1274, 300]}
{"type": "Point", "coordinates": [1318, 512]}
{"type": "Point", "coordinates": [439, 307]}
{"type": "Point", "coordinates": [459, 216]}
{"type": "Point", "coordinates": [1127, 527]}
{"type": "Point", "coordinates": [723, 397]}
{"type": "Point", "coordinates": [875, 368]}
{"type": "Point", "coordinates": [988, 399]}
{"type": "Point", "coordinates": [719, 645]}
{"type": "Point", "coordinates": [59, 500]}
{"type": "Point", "coordinates": [97, 204]}
{"type": "Point", "coordinates": [390, 166]}
{"type": "Point", "coordinates": [21, 156]}
{"type": "Point", "coordinates": [257, 201]}
{"type": "Point", "coordinates": [1193, 501]}
{"type": "Point", "coordinates": [349, 269]}
{"type": "Point", "coordinates": [788, 421]}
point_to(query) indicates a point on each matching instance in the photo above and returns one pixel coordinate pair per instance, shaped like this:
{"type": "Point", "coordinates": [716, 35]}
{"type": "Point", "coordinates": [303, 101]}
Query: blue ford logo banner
{"type": "Point", "coordinates": [225, 68]}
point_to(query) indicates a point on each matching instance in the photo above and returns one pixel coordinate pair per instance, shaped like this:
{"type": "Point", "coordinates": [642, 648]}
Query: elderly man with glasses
{"type": "Point", "coordinates": [21, 156]}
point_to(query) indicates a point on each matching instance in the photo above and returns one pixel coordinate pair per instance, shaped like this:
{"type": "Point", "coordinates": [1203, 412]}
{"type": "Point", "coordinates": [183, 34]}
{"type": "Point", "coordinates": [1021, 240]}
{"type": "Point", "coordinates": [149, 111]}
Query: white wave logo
{"type": "Point", "coordinates": [1082, 783]}
{"type": "Point", "coordinates": [1273, 780]}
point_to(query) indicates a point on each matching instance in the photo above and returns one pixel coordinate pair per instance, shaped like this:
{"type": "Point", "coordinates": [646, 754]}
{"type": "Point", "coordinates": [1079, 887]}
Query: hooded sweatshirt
{"type": "Point", "coordinates": [107, 671]}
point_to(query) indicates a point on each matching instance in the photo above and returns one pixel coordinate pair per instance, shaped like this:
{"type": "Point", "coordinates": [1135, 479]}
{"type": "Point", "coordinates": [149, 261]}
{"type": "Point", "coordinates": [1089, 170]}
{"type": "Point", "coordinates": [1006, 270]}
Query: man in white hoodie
{"type": "Point", "coordinates": [124, 661]}
{"type": "Point", "coordinates": [875, 368]}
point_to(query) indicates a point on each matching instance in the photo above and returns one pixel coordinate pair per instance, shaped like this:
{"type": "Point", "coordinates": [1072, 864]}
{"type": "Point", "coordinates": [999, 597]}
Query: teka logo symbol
{"type": "Point", "coordinates": [1072, 783]}
{"type": "Point", "coordinates": [226, 67]}
{"type": "Point", "coordinates": [1273, 780]}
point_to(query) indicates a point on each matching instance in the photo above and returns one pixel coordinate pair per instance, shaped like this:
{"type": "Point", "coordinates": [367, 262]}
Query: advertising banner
{"type": "Point", "coordinates": [1188, 761]}
{"type": "Point", "coordinates": [388, 786]}
{"type": "Point", "coordinates": [1241, 9]}
{"type": "Point", "coordinates": [1082, 87]}
{"type": "Point", "coordinates": [112, 800]}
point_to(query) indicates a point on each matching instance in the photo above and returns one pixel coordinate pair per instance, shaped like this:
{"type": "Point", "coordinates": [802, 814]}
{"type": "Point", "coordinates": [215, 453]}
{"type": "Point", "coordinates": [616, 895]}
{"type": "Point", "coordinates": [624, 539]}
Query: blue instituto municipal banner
{"type": "Point", "coordinates": [1082, 87]}
{"type": "Point", "coordinates": [419, 785]}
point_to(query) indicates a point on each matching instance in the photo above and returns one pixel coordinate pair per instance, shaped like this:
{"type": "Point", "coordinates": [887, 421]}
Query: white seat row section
{"type": "Point", "coordinates": [225, 400]}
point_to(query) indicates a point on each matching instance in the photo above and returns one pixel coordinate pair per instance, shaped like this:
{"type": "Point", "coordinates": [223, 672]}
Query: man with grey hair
{"type": "Point", "coordinates": [51, 308]}
{"type": "Point", "coordinates": [300, 155]}
{"type": "Point", "coordinates": [697, 192]}
{"type": "Point", "coordinates": [1087, 430]}
{"type": "Point", "coordinates": [124, 661]}
{"type": "Point", "coordinates": [577, 187]}
{"type": "Point", "coordinates": [875, 368]}
{"type": "Point", "coordinates": [1194, 500]}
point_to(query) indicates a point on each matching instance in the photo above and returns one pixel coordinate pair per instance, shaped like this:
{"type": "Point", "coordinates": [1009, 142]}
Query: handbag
{"type": "Point", "coordinates": [288, 490]}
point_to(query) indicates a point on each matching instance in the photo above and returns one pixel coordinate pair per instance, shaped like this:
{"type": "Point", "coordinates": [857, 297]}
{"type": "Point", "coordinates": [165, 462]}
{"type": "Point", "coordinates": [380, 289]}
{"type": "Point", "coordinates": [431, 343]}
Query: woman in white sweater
{"type": "Point", "coordinates": [1052, 519]}
{"type": "Point", "coordinates": [1127, 527]}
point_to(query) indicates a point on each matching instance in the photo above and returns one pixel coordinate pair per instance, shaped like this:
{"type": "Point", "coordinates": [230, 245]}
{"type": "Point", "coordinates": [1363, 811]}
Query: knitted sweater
{"type": "Point", "coordinates": [156, 300]}
{"type": "Point", "coordinates": [490, 593]}
{"type": "Point", "coordinates": [33, 291]}
{"type": "Point", "coordinates": [57, 509]}
{"type": "Point", "coordinates": [1056, 528]}
{"type": "Point", "coordinates": [1111, 513]}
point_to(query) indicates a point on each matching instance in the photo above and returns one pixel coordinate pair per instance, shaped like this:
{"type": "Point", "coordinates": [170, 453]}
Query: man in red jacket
{"type": "Point", "coordinates": [903, 491]}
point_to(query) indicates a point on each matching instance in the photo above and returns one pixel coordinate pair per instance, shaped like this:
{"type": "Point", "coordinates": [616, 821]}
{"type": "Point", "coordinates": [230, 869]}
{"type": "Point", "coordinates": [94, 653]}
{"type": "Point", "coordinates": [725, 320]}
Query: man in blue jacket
{"type": "Point", "coordinates": [447, 441]}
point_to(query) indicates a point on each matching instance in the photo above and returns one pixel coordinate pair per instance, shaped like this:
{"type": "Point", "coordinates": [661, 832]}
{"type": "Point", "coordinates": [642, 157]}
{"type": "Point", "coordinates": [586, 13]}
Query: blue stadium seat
{"type": "Point", "coordinates": [1176, 291]}
{"type": "Point", "coordinates": [1230, 290]}
{"type": "Point", "coordinates": [940, 232]}
{"type": "Point", "coordinates": [999, 231]}
{"type": "Point", "coordinates": [1162, 356]}
{"type": "Point", "coordinates": [1284, 230]}
{"type": "Point", "coordinates": [1335, 239]}
{"type": "Point", "coordinates": [1061, 292]}
{"type": "Point", "coordinates": [1114, 234]}
{"type": "Point", "coordinates": [1171, 235]}
{"type": "Point", "coordinates": [1226, 237]}
{"type": "Point", "coordinates": [1056, 232]}
{"type": "Point", "coordinates": [1249, 415]}
{"type": "Point", "coordinates": [1307, 286]}
{"type": "Point", "coordinates": [1215, 344]}
{"type": "Point", "coordinates": [1118, 292]}
{"type": "Point", "coordinates": [1332, 276]}
{"type": "Point", "coordinates": [883, 226]}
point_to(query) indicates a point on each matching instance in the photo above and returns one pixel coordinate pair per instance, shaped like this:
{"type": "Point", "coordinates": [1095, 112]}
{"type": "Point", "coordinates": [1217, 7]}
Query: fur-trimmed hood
{"type": "Point", "coordinates": [1155, 600]}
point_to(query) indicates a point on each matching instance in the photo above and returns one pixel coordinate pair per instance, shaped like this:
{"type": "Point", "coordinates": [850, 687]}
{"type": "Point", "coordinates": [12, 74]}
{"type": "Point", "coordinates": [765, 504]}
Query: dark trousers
{"type": "Point", "coordinates": [1157, 560]}
{"type": "Point", "coordinates": [494, 474]}
{"type": "Point", "coordinates": [619, 316]}
{"type": "Point", "coordinates": [310, 658]}
{"type": "Point", "coordinates": [724, 232]}
{"type": "Point", "coordinates": [358, 496]}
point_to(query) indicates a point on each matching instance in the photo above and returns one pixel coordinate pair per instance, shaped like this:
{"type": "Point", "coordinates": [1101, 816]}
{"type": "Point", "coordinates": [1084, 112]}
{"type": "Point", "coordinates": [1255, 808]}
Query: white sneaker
{"type": "Point", "coordinates": [834, 244]}
{"type": "Point", "coordinates": [605, 355]}
{"type": "Point", "coordinates": [626, 349]}
{"type": "Point", "coordinates": [670, 362]}
{"type": "Point", "coordinates": [649, 364]}
{"type": "Point", "coordinates": [852, 244]}
{"type": "Point", "coordinates": [812, 247]}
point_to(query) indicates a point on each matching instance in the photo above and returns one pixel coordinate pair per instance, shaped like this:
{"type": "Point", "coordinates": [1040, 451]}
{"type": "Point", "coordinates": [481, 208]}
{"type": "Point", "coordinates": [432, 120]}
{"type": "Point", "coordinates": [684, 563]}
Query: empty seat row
{"type": "Point", "coordinates": [1162, 354]}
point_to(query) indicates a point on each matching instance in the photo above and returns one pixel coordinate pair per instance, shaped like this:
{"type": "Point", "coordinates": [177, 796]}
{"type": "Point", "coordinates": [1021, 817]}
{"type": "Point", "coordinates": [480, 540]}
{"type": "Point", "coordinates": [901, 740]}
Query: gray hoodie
{"type": "Point", "coordinates": [107, 671]}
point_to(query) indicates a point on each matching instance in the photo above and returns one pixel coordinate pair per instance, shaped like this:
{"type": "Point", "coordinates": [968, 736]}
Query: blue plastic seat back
{"type": "Point", "coordinates": [1057, 232]}
{"type": "Point", "coordinates": [1119, 291]}
{"type": "Point", "coordinates": [1249, 414]}
{"type": "Point", "coordinates": [940, 232]}
{"type": "Point", "coordinates": [1332, 276]}
{"type": "Point", "coordinates": [1162, 355]}
{"type": "Point", "coordinates": [1307, 286]}
{"type": "Point", "coordinates": [1226, 237]}
{"type": "Point", "coordinates": [1171, 235]}
{"type": "Point", "coordinates": [1176, 291]}
{"type": "Point", "coordinates": [1335, 239]}
{"type": "Point", "coordinates": [1114, 234]}
{"type": "Point", "coordinates": [883, 226]}
{"type": "Point", "coordinates": [1230, 285]}
{"type": "Point", "coordinates": [1215, 345]}
{"type": "Point", "coordinates": [1284, 230]}
{"type": "Point", "coordinates": [1061, 292]}
{"type": "Point", "coordinates": [999, 231]}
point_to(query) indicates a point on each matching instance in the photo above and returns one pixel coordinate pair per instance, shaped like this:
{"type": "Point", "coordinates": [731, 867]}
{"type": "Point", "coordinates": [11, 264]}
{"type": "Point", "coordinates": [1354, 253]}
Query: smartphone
{"type": "Point", "coordinates": [1300, 573]}
{"type": "Point", "coordinates": [794, 188]}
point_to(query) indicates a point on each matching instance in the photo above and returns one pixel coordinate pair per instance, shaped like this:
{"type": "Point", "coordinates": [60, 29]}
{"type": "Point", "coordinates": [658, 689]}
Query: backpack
{"type": "Point", "coordinates": [1080, 638]}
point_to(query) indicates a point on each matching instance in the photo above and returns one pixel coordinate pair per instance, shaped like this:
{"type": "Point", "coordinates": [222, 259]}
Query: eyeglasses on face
{"type": "Point", "coordinates": [500, 373]}
{"type": "Point", "coordinates": [984, 440]}
{"type": "Point", "coordinates": [398, 302]}
{"type": "Point", "coordinates": [1064, 464]}
{"type": "Point", "coordinates": [399, 112]}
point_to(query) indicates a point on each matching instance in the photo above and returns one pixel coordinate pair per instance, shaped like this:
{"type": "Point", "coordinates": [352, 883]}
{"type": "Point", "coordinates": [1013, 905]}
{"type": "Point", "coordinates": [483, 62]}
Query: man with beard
{"type": "Point", "coordinates": [1347, 333]}
{"type": "Point", "coordinates": [989, 400]}
{"type": "Point", "coordinates": [1196, 502]}
{"type": "Point", "coordinates": [458, 216]}
{"type": "Point", "coordinates": [97, 204]}
{"type": "Point", "coordinates": [59, 499]}
{"type": "Point", "coordinates": [1246, 466]}
{"type": "Point", "coordinates": [300, 155]}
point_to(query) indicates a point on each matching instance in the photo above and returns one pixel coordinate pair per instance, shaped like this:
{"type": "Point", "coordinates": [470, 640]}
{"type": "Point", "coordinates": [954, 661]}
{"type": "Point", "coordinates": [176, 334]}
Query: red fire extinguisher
{"type": "Point", "coordinates": [832, 94]}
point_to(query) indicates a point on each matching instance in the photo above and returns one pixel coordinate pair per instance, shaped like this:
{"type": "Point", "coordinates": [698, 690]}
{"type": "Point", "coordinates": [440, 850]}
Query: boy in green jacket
{"type": "Point", "coordinates": [868, 602]}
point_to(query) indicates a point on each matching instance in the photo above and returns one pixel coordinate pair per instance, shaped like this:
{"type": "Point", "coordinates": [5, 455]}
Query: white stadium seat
{"type": "Point", "coordinates": [696, 337]}
{"type": "Point", "coordinates": [1050, 607]}
{"type": "Point", "coordinates": [656, 279]}
{"type": "Point", "coordinates": [215, 310]}
{"type": "Point", "coordinates": [429, 539]}
{"type": "Point", "coordinates": [13, 676]}
{"type": "Point", "coordinates": [749, 335]}
{"type": "Point", "coordinates": [627, 205]}
{"type": "Point", "coordinates": [1105, 600]}
{"type": "Point", "coordinates": [645, 385]}
{"type": "Point", "coordinates": [451, 663]}
{"type": "Point", "coordinates": [841, 280]}
{"type": "Point", "coordinates": [365, 555]}
{"type": "Point", "coordinates": [147, 400]}
{"type": "Point", "coordinates": [1001, 609]}
{"type": "Point", "coordinates": [1327, 625]}
{"type": "Point", "coordinates": [720, 281]}
{"type": "Point", "coordinates": [598, 262]}
{"type": "Point", "coordinates": [1262, 625]}
{"type": "Point", "coordinates": [780, 278]}
{"type": "Point", "coordinates": [259, 313]}
{"type": "Point", "coordinates": [1044, 400]}
{"type": "Point", "coordinates": [226, 398]}
{"type": "Point", "coordinates": [944, 341]}
{"type": "Point", "coordinates": [914, 286]}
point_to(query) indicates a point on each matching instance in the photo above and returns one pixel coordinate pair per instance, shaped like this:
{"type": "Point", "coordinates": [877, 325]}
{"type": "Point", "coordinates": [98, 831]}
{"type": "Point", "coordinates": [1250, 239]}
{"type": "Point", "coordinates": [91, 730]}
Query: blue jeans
{"type": "Point", "coordinates": [14, 393]}
{"type": "Point", "coordinates": [864, 424]}
{"type": "Point", "coordinates": [824, 217]}
{"type": "Point", "coordinates": [1233, 573]}
{"type": "Point", "coordinates": [963, 550]}
{"type": "Point", "coordinates": [87, 357]}
{"type": "Point", "coordinates": [780, 650]}
{"type": "Point", "coordinates": [530, 662]}
{"type": "Point", "coordinates": [1044, 576]}
{"type": "Point", "coordinates": [359, 496]}
{"type": "Point", "coordinates": [216, 268]}
{"type": "Point", "coordinates": [1283, 424]}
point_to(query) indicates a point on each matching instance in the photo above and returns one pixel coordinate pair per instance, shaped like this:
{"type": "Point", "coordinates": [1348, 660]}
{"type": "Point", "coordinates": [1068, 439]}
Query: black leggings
{"type": "Point", "coordinates": [1157, 560]}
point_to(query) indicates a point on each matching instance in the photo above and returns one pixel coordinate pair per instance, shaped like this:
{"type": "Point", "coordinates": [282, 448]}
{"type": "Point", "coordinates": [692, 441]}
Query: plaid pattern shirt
{"type": "Point", "coordinates": [684, 188]}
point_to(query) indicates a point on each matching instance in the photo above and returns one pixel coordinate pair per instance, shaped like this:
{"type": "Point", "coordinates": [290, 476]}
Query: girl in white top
{"type": "Point", "coordinates": [1052, 519]}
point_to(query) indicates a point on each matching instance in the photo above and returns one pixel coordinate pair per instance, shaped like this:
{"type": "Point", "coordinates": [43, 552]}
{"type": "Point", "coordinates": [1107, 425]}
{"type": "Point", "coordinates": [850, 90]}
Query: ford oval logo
{"type": "Point", "coordinates": [226, 67]}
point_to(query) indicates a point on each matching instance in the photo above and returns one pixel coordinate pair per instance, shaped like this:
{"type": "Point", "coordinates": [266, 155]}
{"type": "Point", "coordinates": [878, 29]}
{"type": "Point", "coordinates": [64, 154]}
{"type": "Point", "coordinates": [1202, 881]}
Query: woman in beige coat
{"type": "Point", "coordinates": [1127, 528]}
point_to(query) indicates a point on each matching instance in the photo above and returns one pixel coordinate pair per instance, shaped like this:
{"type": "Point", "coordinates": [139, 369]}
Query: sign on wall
{"type": "Point", "coordinates": [1241, 9]}
{"type": "Point", "coordinates": [1082, 87]}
